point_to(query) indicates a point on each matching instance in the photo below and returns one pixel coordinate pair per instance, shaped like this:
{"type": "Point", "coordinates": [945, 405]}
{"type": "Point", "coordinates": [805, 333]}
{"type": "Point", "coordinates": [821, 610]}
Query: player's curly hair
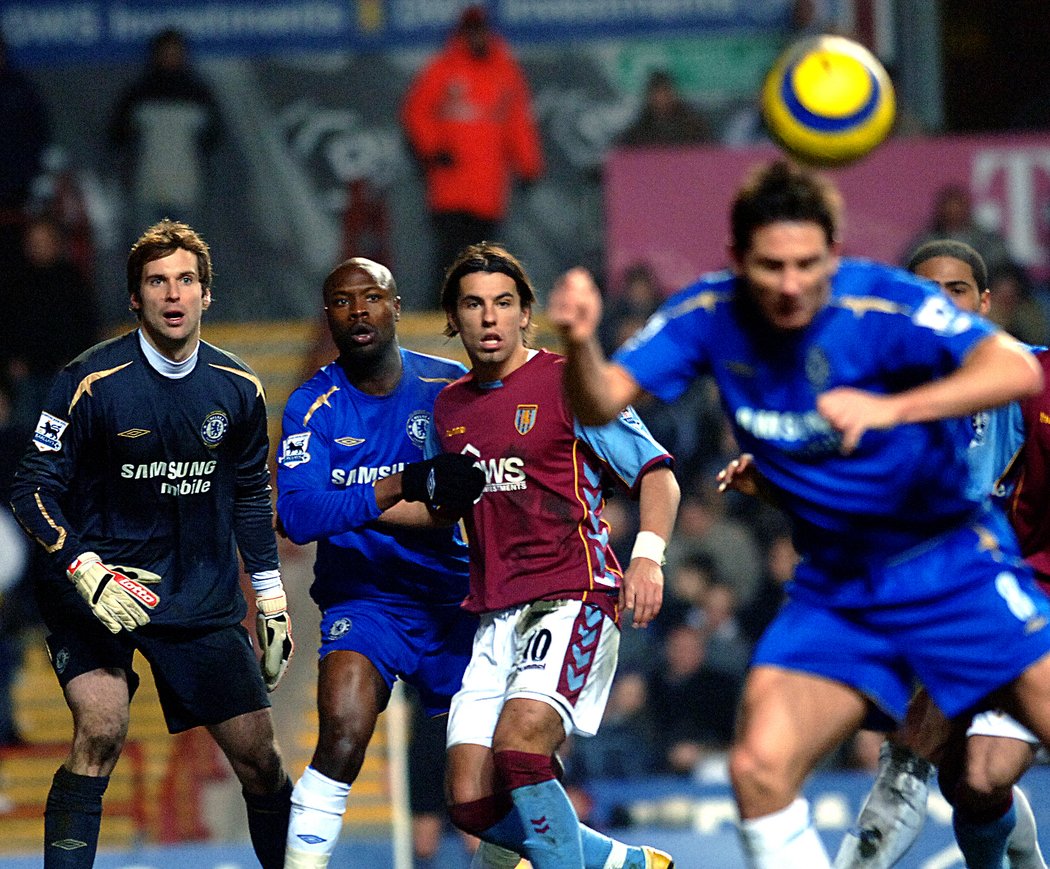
{"type": "Point", "coordinates": [782, 191]}
{"type": "Point", "coordinates": [161, 240]}
{"type": "Point", "coordinates": [487, 256]}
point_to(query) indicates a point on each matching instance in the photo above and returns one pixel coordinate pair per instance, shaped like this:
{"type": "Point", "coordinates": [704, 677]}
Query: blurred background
{"type": "Point", "coordinates": [280, 130]}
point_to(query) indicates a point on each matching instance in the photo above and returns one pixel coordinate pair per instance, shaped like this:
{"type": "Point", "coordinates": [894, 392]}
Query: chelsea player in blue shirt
{"type": "Point", "coordinates": [851, 384]}
{"type": "Point", "coordinates": [351, 455]}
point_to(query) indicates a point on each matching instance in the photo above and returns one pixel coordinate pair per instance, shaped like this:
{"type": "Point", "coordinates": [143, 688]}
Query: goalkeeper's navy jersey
{"type": "Point", "coordinates": [164, 474]}
{"type": "Point", "coordinates": [883, 331]}
{"type": "Point", "coordinates": [336, 442]}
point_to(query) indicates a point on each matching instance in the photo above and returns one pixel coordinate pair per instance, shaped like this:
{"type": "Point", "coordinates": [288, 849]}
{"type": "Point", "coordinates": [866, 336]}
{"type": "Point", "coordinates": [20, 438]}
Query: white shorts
{"type": "Point", "coordinates": [997, 723]}
{"type": "Point", "coordinates": [561, 652]}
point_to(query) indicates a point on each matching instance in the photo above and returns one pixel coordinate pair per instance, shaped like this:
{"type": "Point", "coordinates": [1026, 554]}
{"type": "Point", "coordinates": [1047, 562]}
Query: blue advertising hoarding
{"type": "Point", "coordinates": [55, 32]}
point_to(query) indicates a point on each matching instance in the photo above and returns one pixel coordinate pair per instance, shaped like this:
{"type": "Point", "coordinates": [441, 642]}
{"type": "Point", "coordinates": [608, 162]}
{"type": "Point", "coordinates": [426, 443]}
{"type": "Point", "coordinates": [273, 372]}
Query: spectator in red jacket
{"type": "Point", "coordinates": [469, 120]}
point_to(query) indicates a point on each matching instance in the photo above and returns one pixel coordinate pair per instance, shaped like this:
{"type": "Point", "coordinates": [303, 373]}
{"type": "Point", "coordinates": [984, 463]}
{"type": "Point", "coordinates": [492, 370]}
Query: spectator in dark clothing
{"type": "Point", "coordinates": [1016, 306]}
{"type": "Point", "coordinates": [781, 559]}
{"type": "Point", "coordinates": [45, 280]}
{"type": "Point", "coordinates": [703, 702]}
{"type": "Point", "coordinates": [623, 747]}
{"type": "Point", "coordinates": [953, 218]}
{"type": "Point", "coordinates": [23, 118]}
{"type": "Point", "coordinates": [666, 118]}
{"type": "Point", "coordinates": [164, 127]}
{"type": "Point", "coordinates": [626, 312]}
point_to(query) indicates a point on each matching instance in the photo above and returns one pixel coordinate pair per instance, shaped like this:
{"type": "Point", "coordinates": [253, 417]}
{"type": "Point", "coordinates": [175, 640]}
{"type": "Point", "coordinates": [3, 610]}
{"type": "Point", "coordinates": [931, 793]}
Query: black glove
{"type": "Point", "coordinates": [450, 480]}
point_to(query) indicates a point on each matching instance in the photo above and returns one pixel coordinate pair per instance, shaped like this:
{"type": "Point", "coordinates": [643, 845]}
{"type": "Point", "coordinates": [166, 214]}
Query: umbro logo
{"type": "Point", "coordinates": [349, 441]}
{"type": "Point", "coordinates": [133, 433]}
{"type": "Point", "coordinates": [311, 839]}
{"type": "Point", "coordinates": [69, 844]}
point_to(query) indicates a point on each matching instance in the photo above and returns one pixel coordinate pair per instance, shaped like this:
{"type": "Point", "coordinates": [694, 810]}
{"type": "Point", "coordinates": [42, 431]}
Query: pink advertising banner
{"type": "Point", "coordinates": [669, 207]}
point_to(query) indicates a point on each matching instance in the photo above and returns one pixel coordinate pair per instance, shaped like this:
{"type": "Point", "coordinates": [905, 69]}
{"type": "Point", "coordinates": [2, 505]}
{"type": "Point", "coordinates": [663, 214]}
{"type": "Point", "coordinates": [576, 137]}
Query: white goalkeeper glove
{"type": "Point", "coordinates": [273, 626]}
{"type": "Point", "coordinates": [116, 595]}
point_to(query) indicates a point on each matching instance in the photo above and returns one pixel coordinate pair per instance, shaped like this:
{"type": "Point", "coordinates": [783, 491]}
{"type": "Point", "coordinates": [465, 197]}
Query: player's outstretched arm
{"type": "Point", "coordinates": [997, 371]}
{"type": "Point", "coordinates": [643, 581]}
{"type": "Point", "coordinates": [597, 388]}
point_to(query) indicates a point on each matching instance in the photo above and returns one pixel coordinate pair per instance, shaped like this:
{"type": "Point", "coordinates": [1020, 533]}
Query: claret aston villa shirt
{"type": "Point", "coordinates": [538, 530]}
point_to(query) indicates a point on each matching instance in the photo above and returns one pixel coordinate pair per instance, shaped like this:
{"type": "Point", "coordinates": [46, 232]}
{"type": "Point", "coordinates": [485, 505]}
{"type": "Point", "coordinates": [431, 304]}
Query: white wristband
{"type": "Point", "coordinates": [649, 544]}
{"type": "Point", "coordinates": [265, 580]}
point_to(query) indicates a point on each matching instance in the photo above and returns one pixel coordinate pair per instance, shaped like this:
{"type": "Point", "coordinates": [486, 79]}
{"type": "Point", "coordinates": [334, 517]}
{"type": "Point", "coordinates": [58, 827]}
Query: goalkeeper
{"type": "Point", "coordinates": [146, 474]}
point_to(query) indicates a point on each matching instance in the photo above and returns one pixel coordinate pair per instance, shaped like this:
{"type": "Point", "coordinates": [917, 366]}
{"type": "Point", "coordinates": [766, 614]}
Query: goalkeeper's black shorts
{"type": "Point", "coordinates": [202, 676]}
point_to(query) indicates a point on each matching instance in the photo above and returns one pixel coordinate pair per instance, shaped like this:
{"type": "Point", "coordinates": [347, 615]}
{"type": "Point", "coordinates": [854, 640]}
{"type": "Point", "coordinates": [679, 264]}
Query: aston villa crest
{"type": "Point", "coordinates": [525, 418]}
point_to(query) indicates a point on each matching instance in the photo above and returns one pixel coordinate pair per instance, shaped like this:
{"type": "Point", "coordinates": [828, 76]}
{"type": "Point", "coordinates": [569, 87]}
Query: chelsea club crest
{"type": "Point", "coordinates": [417, 427]}
{"type": "Point", "coordinates": [214, 428]}
{"type": "Point", "coordinates": [818, 369]}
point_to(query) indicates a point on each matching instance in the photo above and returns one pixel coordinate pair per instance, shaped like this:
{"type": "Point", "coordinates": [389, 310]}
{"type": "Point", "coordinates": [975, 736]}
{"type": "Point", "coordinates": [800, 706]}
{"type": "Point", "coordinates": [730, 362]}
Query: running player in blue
{"type": "Point", "coordinates": [152, 451]}
{"type": "Point", "coordinates": [851, 384]}
{"type": "Point", "coordinates": [351, 456]}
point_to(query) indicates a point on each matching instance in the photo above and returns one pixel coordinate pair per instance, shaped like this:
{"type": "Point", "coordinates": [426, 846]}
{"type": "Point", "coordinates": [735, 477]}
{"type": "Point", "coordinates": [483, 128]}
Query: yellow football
{"type": "Point", "coordinates": [828, 101]}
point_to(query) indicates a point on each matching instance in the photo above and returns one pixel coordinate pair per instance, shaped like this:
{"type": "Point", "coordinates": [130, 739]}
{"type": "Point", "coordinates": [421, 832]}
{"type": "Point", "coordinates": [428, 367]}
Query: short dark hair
{"type": "Point", "coordinates": [956, 250]}
{"type": "Point", "coordinates": [161, 240]}
{"type": "Point", "coordinates": [782, 191]}
{"type": "Point", "coordinates": [382, 275]}
{"type": "Point", "coordinates": [486, 256]}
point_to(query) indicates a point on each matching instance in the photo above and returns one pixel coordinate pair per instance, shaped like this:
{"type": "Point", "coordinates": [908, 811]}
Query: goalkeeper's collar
{"type": "Point", "coordinates": [163, 365]}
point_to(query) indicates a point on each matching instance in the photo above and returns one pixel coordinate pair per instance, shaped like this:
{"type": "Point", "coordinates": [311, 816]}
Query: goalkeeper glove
{"type": "Point", "coordinates": [116, 595]}
{"type": "Point", "coordinates": [273, 626]}
{"type": "Point", "coordinates": [449, 480]}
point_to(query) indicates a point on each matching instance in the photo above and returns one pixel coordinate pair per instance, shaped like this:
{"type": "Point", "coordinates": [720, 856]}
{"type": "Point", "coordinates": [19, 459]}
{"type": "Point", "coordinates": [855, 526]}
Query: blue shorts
{"type": "Point", "coordinates": [979, 623]}
{"type": "Point", "coordinates": [426, 647]}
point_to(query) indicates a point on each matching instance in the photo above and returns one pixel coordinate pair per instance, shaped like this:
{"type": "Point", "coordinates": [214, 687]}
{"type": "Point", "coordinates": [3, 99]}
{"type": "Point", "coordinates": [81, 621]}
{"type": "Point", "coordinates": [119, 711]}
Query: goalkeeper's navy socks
{"type": "Point", "coordinates": [268, 824]}
{"type": "Point", "coordinates": [72, 819]}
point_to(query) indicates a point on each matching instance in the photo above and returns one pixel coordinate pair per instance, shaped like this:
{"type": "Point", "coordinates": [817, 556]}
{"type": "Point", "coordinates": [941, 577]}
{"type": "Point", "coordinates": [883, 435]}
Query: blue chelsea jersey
{"type": "Point", "coordinates": [883, 331]}
{"type": "Point", "coordinates": [336, 442]}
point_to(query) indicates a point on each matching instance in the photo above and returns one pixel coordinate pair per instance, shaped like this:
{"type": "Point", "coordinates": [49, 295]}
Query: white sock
{"type": "Point", "coordinates": [1023, 846]}
{"type": "Point", "coordinates": [489, 856]}
{"type": "Point", "coordinates": [783, 840]}
{"type": "Point", "coordinates": [318, 804]}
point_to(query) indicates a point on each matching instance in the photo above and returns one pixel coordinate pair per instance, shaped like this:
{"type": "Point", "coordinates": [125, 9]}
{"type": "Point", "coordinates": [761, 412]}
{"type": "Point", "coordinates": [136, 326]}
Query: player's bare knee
{"type": "Point", "coordinates": [528, 725]}
{"type": "Point", "coordinates": [759, 779]}
{"type": "Point", "coordinates": [96, 752]}
{"type": "Point", "coordinates": [993, 777]}
{"type": "Point", "coordinates": [345, 736]}
{"type": "Point", "coordinates": [261, 773]}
